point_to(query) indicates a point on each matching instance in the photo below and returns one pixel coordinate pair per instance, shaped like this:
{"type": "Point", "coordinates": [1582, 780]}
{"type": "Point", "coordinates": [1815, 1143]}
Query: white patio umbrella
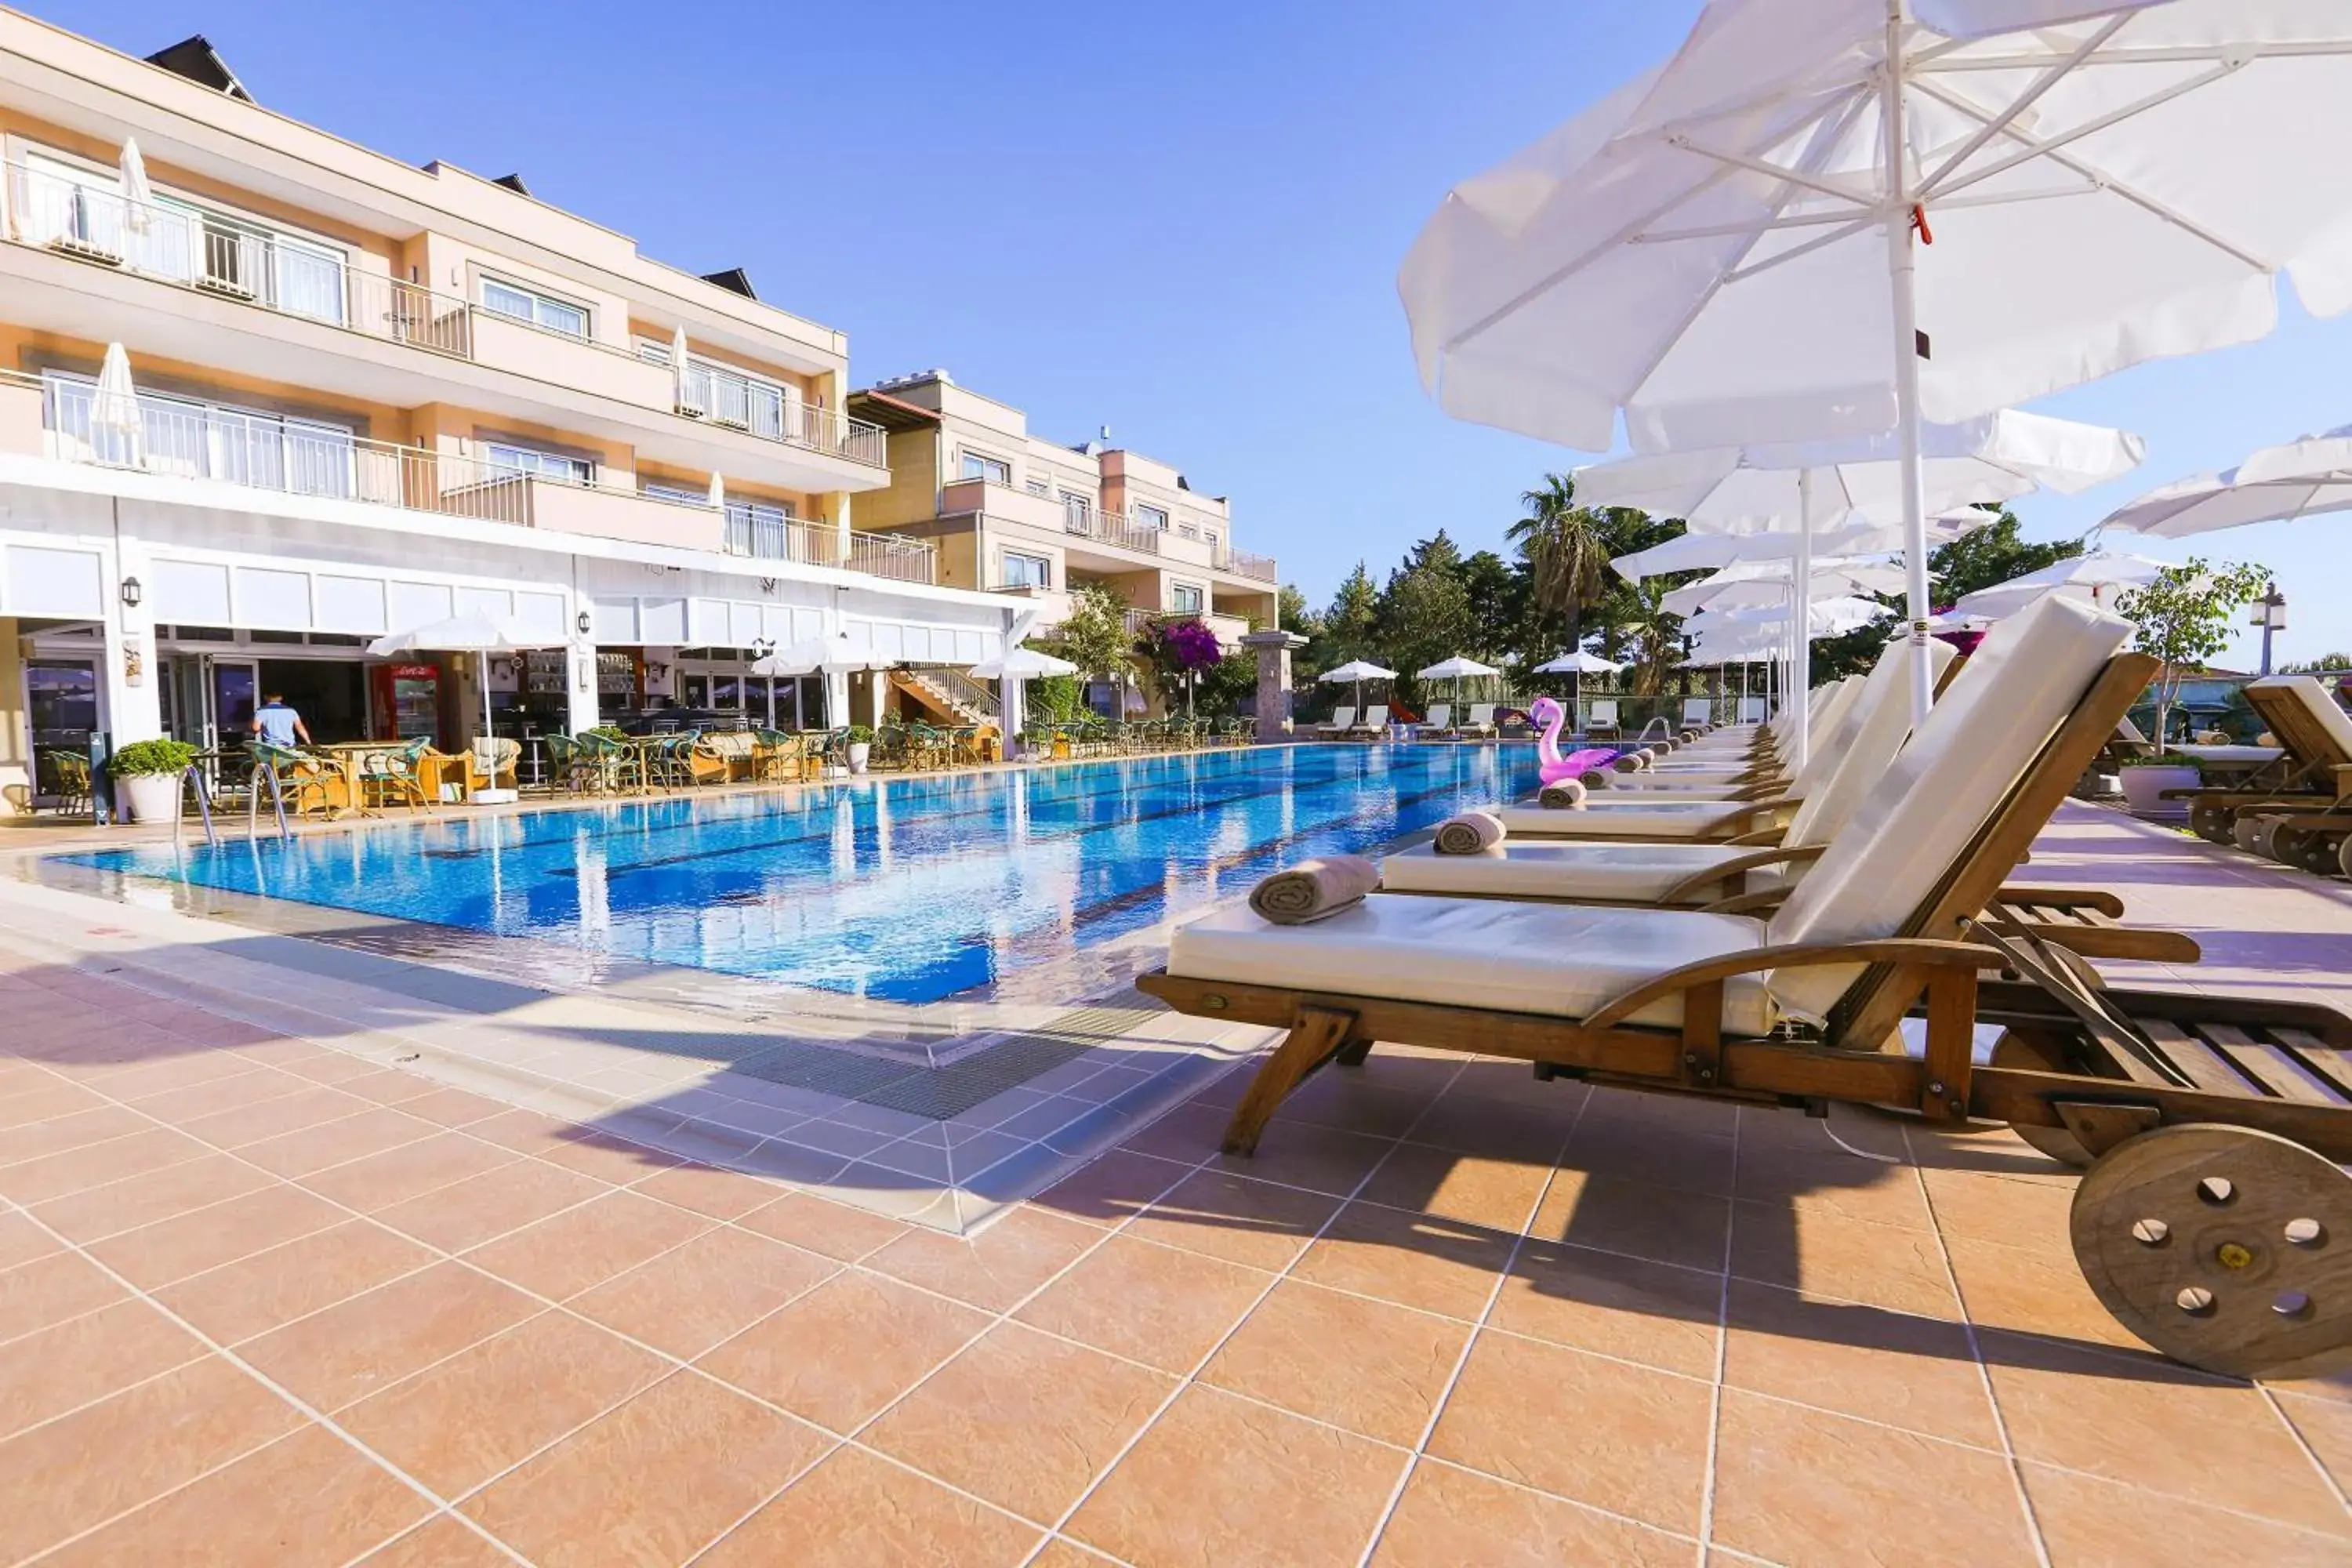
{"type": "Point", "coordinates": [839, 654]}
{"type": "Point", "coordinates": [1728, 249]}
{"type": "Point", "coordinates": [481, 634]}
{"type": "Point", "coordinates": [1021, 664]}
{"type": "Point", "coordinates": [137, 194]}
{"type": "Point", "coordinates": [1358, 670]}
{"type": "Point", "coordinates": [1829, 618]}
{"type": "Point", "coordinates": [1710, 552]}
{"type": "Point", "coordinates": [1745, 585]}
{"type": "Point", "coordinates": [114, 402]}
{"type": "Point", "coordinates": [1577, 664]}
{"type": "Point", "coordinates": [2301, 478]}
{"type": "Point", "coordinates": [1454, 669]}
{"type": "Point", "coordinates": [2095, 579]}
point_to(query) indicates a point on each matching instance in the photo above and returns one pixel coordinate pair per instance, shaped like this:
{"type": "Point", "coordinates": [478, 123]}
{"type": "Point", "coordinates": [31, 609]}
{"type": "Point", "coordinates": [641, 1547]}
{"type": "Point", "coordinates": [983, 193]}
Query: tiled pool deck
{"type": "Point", "coordinates": [273, 1295]}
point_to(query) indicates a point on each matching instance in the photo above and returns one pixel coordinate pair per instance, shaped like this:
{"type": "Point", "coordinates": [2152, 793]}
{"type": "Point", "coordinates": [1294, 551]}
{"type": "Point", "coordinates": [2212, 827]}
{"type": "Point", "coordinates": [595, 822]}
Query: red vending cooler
{"type": "Point", "coordinates": [407, 701]}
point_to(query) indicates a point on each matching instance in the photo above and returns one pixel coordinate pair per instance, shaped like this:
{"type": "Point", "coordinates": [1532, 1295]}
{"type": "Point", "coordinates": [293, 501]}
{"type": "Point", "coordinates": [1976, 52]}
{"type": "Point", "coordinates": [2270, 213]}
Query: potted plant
{"type": "Point", "coordinates": [2146, 780]}
{"type": "Point", "coordinates": [861, 746]}
{"type": "Point", "coordinates": [148, 773]}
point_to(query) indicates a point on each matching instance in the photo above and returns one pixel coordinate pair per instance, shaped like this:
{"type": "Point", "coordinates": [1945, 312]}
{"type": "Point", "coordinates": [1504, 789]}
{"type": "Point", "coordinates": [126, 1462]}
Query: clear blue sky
{"type": "Point", "coordinates": [1182, 221]}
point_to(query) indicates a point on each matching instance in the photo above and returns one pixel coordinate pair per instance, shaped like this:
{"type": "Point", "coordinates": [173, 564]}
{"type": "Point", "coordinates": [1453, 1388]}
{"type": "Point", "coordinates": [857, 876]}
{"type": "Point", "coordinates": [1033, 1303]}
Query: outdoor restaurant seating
{"type": "Point", "coordinates": [490, 763]}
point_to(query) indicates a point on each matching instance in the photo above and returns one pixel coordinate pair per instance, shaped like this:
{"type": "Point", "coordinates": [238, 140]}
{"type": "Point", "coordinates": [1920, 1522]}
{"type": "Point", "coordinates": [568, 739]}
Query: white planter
{"type": "Point", "coordinates": [151, 797]}
{"type": "Point", "coordinates": [2143, 789]}
{"type": "Point", "coordinates": [858, 751]}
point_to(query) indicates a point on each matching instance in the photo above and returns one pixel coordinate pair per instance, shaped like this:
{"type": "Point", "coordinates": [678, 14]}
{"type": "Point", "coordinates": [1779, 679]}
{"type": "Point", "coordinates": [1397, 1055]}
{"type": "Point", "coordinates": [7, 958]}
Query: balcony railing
{"type": "Point", "coordinates": [232, 260]}
{"type": "Point", "coordinates": [1241, 563]}
{"type": "Point", "coordinates": [815, 543]}
{"type": "Point", "coordinates": [1113, 528]}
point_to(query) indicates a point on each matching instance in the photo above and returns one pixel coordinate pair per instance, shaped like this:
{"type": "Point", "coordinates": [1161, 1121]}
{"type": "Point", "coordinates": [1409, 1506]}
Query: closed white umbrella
{"type": "Point", "coordinates": [137, 194]}
{"type": "Point", "coordinates": [2301, 478]}
{"type": "Point", "coordinates": [718, 492]}
{"type": "Point", "coordinates": [1730, 250]}
{"type": "Point", "coordinates": [478, 634]}
{"type": "Point", "coordinates": [114, 407]}
{"type": "Point", "coordinates": [2095, 578]}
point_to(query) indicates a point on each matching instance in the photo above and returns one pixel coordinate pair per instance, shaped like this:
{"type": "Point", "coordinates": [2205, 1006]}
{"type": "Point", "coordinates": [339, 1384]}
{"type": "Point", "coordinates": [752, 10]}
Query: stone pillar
{"type": "Point", "coordinates": [1012, 714]}
{"type": "Point", "coordinates": [134, 709]}
{"type": "Point", "coordinates": [580, 710]}
{"type": "Point", "coordinates": [15, 731]}
{"type": "Point", "coordinates": [836, 699]}
{"type": "Point", "coordinates": [1274, 649]}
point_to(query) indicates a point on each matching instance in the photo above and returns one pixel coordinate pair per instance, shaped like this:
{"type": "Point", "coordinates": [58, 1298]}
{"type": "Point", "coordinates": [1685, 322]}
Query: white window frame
{"type": "Point", "coordinates": [1079, 507]}
{"type": "Point", "coordinates": [537, 299]}
{"type": "Point", "coordinates": [1044, 564]}
{"type": "Point", "coordinates": [995, 470]}
{"type": "Point", "coordinates": [1039, 485]}
{"type": "Point", "coordinates": [1176, 591]}
{"type": "Point", "coordinates": [1151, 517]}
{"type": "Point", "coordinates": [539, 463]}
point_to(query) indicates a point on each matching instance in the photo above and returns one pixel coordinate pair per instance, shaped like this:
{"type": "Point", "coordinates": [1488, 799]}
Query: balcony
{"type": "Point", "coordinates": [228, 260]}
{"type": "Point", "coordinates": [1242, 564]}
{"type": "Point", "coordinates": [290, 457]}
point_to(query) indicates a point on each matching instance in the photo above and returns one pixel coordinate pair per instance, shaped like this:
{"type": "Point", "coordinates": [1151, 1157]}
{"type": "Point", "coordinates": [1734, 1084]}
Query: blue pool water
{"type": "Point", "coordinates": [905, 889]}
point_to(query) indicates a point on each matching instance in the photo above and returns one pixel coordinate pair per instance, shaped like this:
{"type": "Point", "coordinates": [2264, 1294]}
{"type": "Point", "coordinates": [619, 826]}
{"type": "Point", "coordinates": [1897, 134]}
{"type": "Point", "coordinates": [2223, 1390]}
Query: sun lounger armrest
{"type": "Point", "coordinates": [1918, 952]}
{"type": "Point", "coordinates": [2103, 902]}
{"type": "Point", "coordinates": [1791, 855]}
{"type": "Point", "coordinates": [1759, 835]}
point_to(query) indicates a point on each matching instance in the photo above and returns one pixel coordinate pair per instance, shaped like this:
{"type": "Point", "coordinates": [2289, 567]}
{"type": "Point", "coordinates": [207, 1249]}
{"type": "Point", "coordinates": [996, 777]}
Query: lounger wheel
{"type": "Point", "coordinates": [2058, 1143]}
{"type": "Point", "coordinates": [2344, 855]}
{"type": "Point", "coordinates": [2252, 834]}
{"type": "Point", "coordinates": [2227, 1249]}
{"type": "Point", "coordinates": [2211, 822]}
{"type": "Point", "coordinates": [2303, 848]}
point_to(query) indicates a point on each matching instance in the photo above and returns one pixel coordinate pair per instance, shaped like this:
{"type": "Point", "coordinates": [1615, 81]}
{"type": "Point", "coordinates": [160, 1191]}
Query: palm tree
{"type": "Point", "coordinates": [1657, 635]}
{"type": "Point", "coordinates": [1566, 552]}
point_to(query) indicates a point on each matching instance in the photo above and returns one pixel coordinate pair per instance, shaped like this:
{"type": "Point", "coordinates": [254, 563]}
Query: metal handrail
{"type": "Point", "coordinates": [1242, 562]}
{"type": "Point", "coordinates": [776, 412]}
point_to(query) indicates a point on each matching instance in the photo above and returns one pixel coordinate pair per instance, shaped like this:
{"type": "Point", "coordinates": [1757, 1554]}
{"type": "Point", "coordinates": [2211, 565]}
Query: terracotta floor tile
{"type": "Point", "coordinates": [257, 1294]}
{"type": "Point", "coordinates": [2031, 1215]}
{"type": "Point", "coordinates": [847, 1349]}
{"type": "Point", "coordinates": [457, 1424]}
{"type": "Point", "coordinates": [1914, 1372]}
{"type": "Point", "coordinates": [833, 1229]}
{"type": "Point", "coordinates": [1450, 1517]}
{"type": "Point", "coordinates": [333, 1142]}
{"type": "Point", "coordinates": [1320, 1159]}
{"type": "Point", "coordinates": [1834, 1183]}
{"type": "Point", "coordinates": [1823, 1255]}
{"type": "Point", "coordinates": [687, 1300]}
{"type": "Point", "coordinates": [85, 1467]}
{"type": "Point", "coordinates": [1638, 1218]}
{"type": "Point", "coordinates": [86, 1358]}
{"type": "Point", "coordinates": [1353, 1104]}
{"type": "Point", "coordinates": [389, 1085]}
{"type": "Point", "coordinates": [2326, 1426]}
{"type": "Point", "coordinates": [51, 1289]}
{"type": "Point", "coordinates": [707, 1190]}
{"type": "Point", "coordinates": [651, 1482]}
{"type": "Point", "coordinates": [255, 1085]}
{"type": "Point", "coordinates": [2032, 1291]}
{"type": "Point", "coordinates": [452, 1106]}
{"type": "Point", "coordinates": [1154, 1304]}
{"type": "Point", "coordinates": [1286, 1490]}
{"type": "Point", "coordinates": [995, 1268]}
{"type": "Point", "coordinates": [474, 1210]}
{"type": "Point", "coordinates": [1189, 1134]}
{"type": "Point", "coordinates": [2152, 1424]}
{"type": "Point", "coordinates": [1414, 1261]}
{"type": "Point", "coordinates": [379, 1181]}
{"type": "Point", "coordinates": [856, 1510]}
{"type": "Point", "coordinates": [1365, 1365]}
{"type": "Point", "coordinates": [1220, 1215]}
{"type": "Point", "coordinates": [1803, 1487]}
{"type": "Point", "coordinates": [1651, 1312]}
{"type": "Point", "coordinates": [1114, 1186]}
{"type": "Point", "coordinates": [442, 1542]}
{"type": "Point", "coordinates": [1523, 1132]}
{"type": "Point", "coordinates": [1023, 1420]}
{"type": "Point", "coordinates": [21, 1240]}
{"type": "Point", "coordinates": [74, 1130]}
{"type": "Point", "coordinates": [274, 1116]}
{"type": "Point", "coordinates": [123, 1206]}
{"type": "Point", "coordinates": [70, 1171]}
{"type": "Point", "coordinates": [1608, 1109]}
{"type": "Point", "coordinates": [1498, 1194]}
{"type": "Point", "coordinates": [308, 1498]}
{"type": "Point", "coordinates": [43, 1099]}
{"type": "Point", "coordinates": [366, 1344]}
{"type": "Point", "coordinates": [1663, 1157]}
{"type": "Point", "coordinates": [581, 1148]}
{"type": "Point", "coordinates": [1621, 1437]}
{"type": "Point", "coordinates": [1416, 1070]}
{"type": "Point", "coordinates": [2090, 1523]}
{"type": "Point", "coordinates": [156, 1254]}
{"type": "Point", "coordinates": [563, 1255]}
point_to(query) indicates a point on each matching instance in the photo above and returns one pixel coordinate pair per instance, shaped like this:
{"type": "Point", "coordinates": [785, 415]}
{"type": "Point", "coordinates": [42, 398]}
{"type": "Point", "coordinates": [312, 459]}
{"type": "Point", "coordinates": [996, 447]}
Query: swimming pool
{"type": "Point", "coordinates": [901, 889]}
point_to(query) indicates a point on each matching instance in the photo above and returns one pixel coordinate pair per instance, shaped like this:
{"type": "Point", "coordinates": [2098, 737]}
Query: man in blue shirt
{"type": "Point", "coordinates": [279, 725]}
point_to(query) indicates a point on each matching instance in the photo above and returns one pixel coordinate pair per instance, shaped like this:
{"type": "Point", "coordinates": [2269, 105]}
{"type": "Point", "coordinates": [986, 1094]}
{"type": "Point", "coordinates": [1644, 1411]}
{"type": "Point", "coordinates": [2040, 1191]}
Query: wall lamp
{"type": "Point", "coordinates": [585, 623]}
{"type": "Point", "coordinates": [133, 592]}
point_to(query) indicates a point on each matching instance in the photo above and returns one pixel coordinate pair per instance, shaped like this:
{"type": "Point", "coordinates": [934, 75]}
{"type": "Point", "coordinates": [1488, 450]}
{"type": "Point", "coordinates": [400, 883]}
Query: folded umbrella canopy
{"type": "Point", "coordinates": [1838, 217]}
{"type": "Point", "coordinates": [2300, 478]}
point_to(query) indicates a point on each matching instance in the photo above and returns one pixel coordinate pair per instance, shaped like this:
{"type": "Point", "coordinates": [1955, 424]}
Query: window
{"type": "Point", "coordinates": [209, 441]}
{"type": "Point", "coordinates": [1187, 599]}
{"type": "Point", "coordinates": [1187, 530]}
{"type": "Point", "coordinates": [544, 465]}
{"type": "Point", "coordinates": [759, 528]}
{"type": "Point", "coordinates": [1077, 512]}
{"type": "Point", "coordinates": [1039, 486]}
{"type": "Point", "coordinates": [536, 308]}
{"type": "Point", "coordinates": [1210, 534]}
{"type": "Point", "coordinates": [686, 494]}
{"type": "Point", "coordinates": [1151, 517]}
{"type": "Point", "coordinates": [980, 465]}
{"type": "Point", "coordinates": [1027, 571]}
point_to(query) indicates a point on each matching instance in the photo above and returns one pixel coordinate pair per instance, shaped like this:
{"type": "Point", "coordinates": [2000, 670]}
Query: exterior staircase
{"type": "Point", "coordinates": [953, 695]}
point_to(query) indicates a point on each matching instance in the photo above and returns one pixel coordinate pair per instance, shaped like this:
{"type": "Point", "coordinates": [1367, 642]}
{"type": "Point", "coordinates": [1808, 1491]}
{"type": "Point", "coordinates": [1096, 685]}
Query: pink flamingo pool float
{"type": "Point", "coordinates": [1550, 716]}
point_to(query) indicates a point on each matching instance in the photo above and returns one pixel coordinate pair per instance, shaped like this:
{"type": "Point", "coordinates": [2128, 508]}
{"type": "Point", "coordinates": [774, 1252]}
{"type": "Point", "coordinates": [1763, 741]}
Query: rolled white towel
{"type": "Point", "coordinates": [1314, 889]}
{"type": "Point", "coordinates": [1629, 763]}
{"type": "Point", "coordinates": [1471, 833]}
{"type": "Point", "coordinates": [1593, 778]}
{"type": "Point", "coordinates": [1562, 794]}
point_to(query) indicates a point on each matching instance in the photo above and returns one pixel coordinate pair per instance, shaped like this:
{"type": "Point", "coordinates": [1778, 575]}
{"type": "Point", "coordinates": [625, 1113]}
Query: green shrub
{"type": "Point", "coordinates": [861, 734]}
{"type": "Point", "coordinates": [145, 759]}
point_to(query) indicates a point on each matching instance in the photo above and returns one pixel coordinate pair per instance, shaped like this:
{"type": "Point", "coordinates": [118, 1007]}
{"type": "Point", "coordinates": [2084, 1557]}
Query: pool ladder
{"type": "Point", "coordinates": [193, 777]}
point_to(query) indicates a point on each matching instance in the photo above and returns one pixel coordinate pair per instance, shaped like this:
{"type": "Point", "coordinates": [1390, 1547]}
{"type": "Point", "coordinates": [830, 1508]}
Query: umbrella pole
{"type": "Point", "coordinates": [1801, 674]}
{"type": "Point", "coordinates": [1902, 265]}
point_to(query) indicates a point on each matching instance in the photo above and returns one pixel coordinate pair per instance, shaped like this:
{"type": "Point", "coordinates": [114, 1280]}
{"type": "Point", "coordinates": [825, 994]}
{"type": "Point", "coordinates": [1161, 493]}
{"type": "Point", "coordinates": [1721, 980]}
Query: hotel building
{"type": "Point", "coordinates": [370, 396]}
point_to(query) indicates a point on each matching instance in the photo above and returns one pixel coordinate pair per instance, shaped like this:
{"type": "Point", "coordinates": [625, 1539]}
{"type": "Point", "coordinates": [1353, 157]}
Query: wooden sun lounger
{"type": "Point", "coordinates": [2253, 1095]}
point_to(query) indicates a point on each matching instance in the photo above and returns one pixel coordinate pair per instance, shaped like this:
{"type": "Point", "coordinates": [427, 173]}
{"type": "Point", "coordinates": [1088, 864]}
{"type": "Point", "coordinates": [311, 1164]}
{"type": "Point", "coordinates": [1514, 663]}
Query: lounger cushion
{"type": "Point", "coordinates": [1628, 816]}
{"type": "Point", "coordinates": [1559, 959]}
{"type": "Point", "coordinates": [1557, 868]}
{"type": "Point", "coordinates": [2325, 716]}
{"type": "Point", "coordinates": [2253, 754]}
{"type": "Point", "coordinates": [1872, 730]}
